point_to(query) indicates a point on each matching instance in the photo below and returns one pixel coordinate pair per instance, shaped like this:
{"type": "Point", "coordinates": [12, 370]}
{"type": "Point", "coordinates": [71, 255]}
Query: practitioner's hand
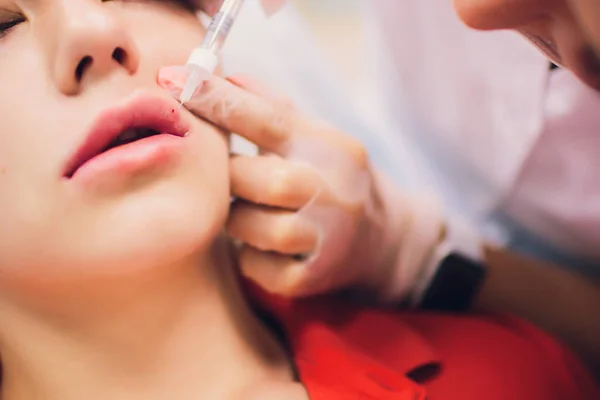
{"type": "Point", "coordinates": [212, 6]}
{"type": "Point", "coordinates": [309, 210]}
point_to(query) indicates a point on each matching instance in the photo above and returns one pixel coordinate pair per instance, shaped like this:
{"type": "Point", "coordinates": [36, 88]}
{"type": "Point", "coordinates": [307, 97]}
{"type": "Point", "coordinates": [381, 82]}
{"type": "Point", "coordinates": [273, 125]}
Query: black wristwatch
{"type": "Point", "coordinates": [455, 284]}
{"type": "Point", "coordinates": [454, 272]}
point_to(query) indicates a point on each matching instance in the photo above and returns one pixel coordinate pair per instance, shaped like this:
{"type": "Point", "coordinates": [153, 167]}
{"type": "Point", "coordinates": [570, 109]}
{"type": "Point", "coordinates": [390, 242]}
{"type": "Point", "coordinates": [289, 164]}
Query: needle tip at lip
{"type": "Point", "coordinates": [141, 110]}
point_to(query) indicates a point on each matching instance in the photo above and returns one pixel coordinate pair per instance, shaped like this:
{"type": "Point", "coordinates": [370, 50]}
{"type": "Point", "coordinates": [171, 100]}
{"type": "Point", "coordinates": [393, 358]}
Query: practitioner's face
{"type": "Point", "coordinates": [567, 31]}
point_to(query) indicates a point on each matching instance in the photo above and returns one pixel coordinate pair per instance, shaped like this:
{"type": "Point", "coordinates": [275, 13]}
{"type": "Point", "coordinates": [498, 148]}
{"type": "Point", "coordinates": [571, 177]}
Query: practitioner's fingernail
{"type": "Point", "coordinates": [173, 79]}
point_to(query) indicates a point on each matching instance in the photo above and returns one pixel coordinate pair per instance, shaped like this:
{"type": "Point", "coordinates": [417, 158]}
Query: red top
{"type": "Point", "coordinates": [344, 352]}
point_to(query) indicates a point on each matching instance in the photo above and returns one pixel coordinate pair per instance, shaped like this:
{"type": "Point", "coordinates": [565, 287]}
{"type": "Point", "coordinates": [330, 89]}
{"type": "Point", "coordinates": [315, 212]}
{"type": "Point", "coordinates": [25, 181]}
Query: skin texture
{"type": "Point", "coordinates": [116, 285]}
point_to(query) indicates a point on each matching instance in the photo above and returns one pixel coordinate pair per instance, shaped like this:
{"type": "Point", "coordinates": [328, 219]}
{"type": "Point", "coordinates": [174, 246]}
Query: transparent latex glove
{"type": "Point", "coordinates": [309, 213]}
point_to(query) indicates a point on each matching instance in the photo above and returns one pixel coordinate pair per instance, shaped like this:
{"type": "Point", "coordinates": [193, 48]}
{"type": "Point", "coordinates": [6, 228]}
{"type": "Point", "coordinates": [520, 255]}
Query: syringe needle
{"type": "Point", "coordinates": [204, 59]}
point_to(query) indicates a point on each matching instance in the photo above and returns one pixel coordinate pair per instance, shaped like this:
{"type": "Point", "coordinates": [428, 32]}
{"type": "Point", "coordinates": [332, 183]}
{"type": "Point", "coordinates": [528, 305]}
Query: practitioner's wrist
{"type": "Point", "coordinates": [393, 222]}
{"type": "Point", "coordinates": [421, 228]}
{"type": "Point", "coordinates": [454, 271]}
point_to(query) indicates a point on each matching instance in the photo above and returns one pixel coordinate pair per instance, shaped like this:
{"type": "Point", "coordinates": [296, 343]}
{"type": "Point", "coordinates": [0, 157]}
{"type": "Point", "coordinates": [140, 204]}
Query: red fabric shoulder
{"type": "Point", "coordinates": [343, 351]}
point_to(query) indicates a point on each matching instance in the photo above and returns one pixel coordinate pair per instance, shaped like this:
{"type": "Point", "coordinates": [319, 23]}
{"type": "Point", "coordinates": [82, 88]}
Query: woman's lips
{"type": "Point", "coordinates": [141, 111]}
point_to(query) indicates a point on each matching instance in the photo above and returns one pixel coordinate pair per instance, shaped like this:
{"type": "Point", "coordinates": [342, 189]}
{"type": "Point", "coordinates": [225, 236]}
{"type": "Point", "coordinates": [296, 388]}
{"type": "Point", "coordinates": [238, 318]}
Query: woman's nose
{"type": "Point", "coordinates": [91, 43]}
{"type": "Point", "coordinates": [504, 14]}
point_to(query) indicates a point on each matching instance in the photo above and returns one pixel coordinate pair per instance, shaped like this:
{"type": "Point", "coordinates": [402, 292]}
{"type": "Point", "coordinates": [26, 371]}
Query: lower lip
{"type": "Point", "coordinates": [132, 158]}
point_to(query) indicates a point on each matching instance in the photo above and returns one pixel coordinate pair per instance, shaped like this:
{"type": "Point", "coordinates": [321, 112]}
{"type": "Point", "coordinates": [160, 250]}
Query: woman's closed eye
{"type": "Point", "coordinates": [8, 21]}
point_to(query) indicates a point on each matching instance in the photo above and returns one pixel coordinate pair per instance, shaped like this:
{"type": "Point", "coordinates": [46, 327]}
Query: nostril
{"type": "Point", "coordinates": [83, 65]}
{"type": "Point", "coordinates": [119, 55]}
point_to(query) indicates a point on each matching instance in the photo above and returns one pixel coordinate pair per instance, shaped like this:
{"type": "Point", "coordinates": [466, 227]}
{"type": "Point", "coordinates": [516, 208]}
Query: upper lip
{"type": "Point", "coordinates": [139, 111]}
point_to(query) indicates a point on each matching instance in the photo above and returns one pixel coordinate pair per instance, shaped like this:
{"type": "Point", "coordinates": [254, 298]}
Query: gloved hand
{"type": "Point", "coordinates": [310, 212]}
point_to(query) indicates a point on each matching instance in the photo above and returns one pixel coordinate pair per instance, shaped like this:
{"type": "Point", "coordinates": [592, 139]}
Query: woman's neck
{"type": "Point", "coordinates": [183, 334]}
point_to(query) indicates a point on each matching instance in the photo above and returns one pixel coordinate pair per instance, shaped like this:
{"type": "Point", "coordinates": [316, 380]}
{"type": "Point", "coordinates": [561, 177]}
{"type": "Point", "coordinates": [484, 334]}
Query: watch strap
{"type": "Point", "coordinates": [454, 271]}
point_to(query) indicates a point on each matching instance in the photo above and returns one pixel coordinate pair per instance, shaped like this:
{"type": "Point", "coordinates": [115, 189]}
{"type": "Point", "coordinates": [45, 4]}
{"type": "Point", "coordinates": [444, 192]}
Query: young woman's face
{"type": "Point", "coordinates": [568, 31]}
{"type": "Point", "coordinates": [73, 75]}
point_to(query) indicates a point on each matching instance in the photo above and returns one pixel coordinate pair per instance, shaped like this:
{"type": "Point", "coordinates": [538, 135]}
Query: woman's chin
{"type": "Point", "coordinates": [105, 266]}
{"type": "Point", "coordinates": [154, 250]}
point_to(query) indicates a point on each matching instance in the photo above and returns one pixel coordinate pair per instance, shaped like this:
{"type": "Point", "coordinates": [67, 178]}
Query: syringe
{"type": "Point", "coordinates": [204, 59]}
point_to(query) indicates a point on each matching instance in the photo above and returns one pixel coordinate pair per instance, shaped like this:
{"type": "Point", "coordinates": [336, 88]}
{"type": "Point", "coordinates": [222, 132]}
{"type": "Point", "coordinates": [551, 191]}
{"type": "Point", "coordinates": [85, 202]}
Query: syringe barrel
{"type": "Point", "coordinates": [221, 24]}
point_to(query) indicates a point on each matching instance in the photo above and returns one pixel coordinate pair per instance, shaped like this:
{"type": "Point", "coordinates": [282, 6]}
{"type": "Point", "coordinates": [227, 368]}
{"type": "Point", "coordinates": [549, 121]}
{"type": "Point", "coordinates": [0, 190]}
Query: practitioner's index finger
{"type": "Point", "coordinates": [267, 124]}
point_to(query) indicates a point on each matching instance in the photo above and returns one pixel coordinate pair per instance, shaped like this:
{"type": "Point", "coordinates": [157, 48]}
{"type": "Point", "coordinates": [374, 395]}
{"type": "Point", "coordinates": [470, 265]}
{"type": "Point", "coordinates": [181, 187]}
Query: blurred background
{"type": "Point", "coordinates": [340, 34]}
{"type": "Point", "coordinates": [321, 54]}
